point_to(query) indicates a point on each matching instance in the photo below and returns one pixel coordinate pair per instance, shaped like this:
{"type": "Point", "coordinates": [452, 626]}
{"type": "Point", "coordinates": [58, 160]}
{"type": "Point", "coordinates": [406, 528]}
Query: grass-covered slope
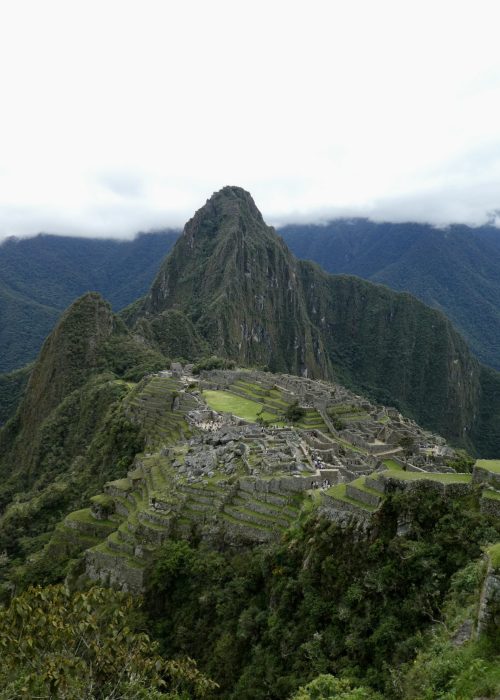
{"type": "Point", "coordinates": [69, 433]}
{"type": "Point", "coordinates": [12, 386]}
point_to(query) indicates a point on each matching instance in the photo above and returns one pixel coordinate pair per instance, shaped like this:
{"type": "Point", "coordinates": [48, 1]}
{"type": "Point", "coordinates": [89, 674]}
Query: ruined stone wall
{"type": "Point", "coordinates": [489, 606]}
{"type": "Point", "coordinates": [481, 476]}
{"type": "Point", "coordinates": [490, 506]}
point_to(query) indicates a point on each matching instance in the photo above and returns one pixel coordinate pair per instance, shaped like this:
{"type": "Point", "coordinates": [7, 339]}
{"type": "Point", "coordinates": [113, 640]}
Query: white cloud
{"type": "Point", "coordinates": [125, 115]}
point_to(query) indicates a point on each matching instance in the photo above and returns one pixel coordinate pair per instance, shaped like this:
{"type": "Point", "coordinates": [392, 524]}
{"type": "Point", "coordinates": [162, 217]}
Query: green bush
{"type": "Point", "coordinates": [294, 413]}
{"type": "Point", "coordinates": [213, 362]}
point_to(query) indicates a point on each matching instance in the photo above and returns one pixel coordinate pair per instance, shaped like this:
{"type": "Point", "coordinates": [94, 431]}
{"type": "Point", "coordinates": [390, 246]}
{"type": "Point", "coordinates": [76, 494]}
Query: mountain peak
{"type": "Point", "coordinates": [232, 282]}
{"type": "Point", "coordinates": [70, 354]}
{"type": "Point", "coordinates": [230, 210]}
{"type": "Point", "coordinates": [232, 194]}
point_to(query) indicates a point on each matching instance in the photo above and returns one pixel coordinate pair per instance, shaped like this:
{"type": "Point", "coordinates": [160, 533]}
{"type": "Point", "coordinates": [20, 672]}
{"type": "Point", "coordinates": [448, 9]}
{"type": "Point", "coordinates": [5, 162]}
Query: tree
{"type": "Point", "coordinates": [55, 644]}
{"type": "Point", "coordinates": [327, 687]}
{"type": "Point", "coordinates": [294, 412]}
{"type": "Point", "coordinates": [408, 445]}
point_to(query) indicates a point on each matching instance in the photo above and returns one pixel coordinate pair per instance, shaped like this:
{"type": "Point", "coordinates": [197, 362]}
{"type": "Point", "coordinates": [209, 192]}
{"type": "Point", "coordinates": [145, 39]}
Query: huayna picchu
{"type": "Point", "coordinates": [272, 460]}
{"type": "Point", "coordinates": [231, 287]}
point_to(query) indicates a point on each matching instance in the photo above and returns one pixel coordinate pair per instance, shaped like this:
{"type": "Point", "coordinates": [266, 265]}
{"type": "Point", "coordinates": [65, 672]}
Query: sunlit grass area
{"type": "Point", "coordinates": [492, 465]}
{"type": "Point", "coordinates": [225, 402]}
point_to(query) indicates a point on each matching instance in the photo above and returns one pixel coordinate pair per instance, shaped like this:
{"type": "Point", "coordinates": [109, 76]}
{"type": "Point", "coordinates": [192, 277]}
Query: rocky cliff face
{"type": "Point", "coordinates": [396, 349]}
{"type": "Point", "coordinates": [238, 283]}
{"type": "Point", "coordinates": [234, 282]}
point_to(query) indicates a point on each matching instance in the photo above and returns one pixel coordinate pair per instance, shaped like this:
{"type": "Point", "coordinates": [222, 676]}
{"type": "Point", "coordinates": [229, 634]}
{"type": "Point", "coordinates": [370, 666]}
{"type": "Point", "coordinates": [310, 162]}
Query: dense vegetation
{"type": "Point", "coordinates": [41, 276]}
{"type": "Point", "coordinates": [455, 269]}
{"type": "Point", "coordinates": [325, 601]}
{"type": "Point", "coordinates": [324, 613]}
{"type": "Point", "coordinates": [71, 433]}
{"type": "Point", "coordinates": [230, 287]}
{"type": "Point", "coordinates": [61, 644]}
{"type": "Point", "coordinates": [12, 386]}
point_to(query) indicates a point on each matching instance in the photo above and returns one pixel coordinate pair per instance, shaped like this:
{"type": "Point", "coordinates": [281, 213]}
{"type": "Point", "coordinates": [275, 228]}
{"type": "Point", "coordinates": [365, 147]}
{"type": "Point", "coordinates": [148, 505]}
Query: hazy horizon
{"type": "Point", "coordinates": [126, 116]}
{"type": "Point", "coordinates": [278, 227]}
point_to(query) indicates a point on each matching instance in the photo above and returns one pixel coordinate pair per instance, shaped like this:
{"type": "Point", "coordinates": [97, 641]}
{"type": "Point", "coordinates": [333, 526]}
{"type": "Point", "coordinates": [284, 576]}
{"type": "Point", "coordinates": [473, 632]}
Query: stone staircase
{"type": "Point", "coordinates": [152, 504]}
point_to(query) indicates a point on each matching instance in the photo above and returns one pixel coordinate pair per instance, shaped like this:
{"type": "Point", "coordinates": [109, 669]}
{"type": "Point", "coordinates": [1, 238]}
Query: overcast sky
{"type": "Point", "coordinates": [124, 116]}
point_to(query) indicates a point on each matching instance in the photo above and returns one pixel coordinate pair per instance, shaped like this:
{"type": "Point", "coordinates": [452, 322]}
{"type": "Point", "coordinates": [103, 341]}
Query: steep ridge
{"type": "Point", "coordinates": [396, 349]}
{"type": "Point", "coordinates": [69, 355]}
{"type": "Point", "coordinates": [12, 386]}
{"type": "Point", "coordinates": [455, 269]}
{"type": "Point", "coordinates": [68, 434]}
{"type": "Point", "coordinates": [239, 288]}
{"type": "Point", "coordinates": [238, 284]}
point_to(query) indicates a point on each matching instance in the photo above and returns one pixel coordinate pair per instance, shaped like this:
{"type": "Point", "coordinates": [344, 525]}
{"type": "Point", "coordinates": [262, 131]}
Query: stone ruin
{"type": "Point", "coordinates": [236, 482]}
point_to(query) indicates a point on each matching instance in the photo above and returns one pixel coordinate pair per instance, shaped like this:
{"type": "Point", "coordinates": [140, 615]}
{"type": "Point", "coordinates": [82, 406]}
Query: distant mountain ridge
{"type": "Point", "coordinates": [456, 270]}
{"type": "Point", "coordinates": [41, 276]}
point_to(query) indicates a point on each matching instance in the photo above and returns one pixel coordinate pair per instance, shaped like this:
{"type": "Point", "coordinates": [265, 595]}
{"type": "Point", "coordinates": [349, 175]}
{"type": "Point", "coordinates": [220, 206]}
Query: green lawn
{"type": "Point", "coordinates": [430, 476]}
{"type": "Point", "coordinates": [489, 493]}
{"type": "Point", "coordinates": [339, 492]}
{"type": "Point", "coordinates": [122, 484]}
{"type": "Point", "coordinates": [85, 516]}
{"type": "Point", "coordinates": [492, 465]}
{"type": "Point", "coordinates": [225, 402]}
{"type": "Point", "coordinates": [392, 465]}
{"type": "Point", "coordinates": [494, 552]}
{"type": "Point", "coordinates": [350, 446]}
{"type": "Point", "coordinates": [361, 484]}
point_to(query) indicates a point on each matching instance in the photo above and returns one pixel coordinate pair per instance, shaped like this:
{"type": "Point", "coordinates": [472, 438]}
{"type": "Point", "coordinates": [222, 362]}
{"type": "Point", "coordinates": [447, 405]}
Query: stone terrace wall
{"type": "Point", "coordinates": [489, 606]}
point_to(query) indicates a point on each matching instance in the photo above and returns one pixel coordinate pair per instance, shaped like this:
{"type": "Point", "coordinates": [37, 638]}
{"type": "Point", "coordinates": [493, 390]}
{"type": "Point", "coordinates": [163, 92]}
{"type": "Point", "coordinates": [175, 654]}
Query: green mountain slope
{"type": "Point", "coordinates": [239, 286]}
{"type": "Point", "coordinates": [41, 276]}
{"type": "Point", "coordinates": [12, 386]}
{"type": "Point", "coordinates": [236, 284]}
{"type": "Point", "coordinates": [455, 270]}
{"type": "Point", "coordinates": [68, 434]}
{"type": "Point", "coordinates": [24, 324]}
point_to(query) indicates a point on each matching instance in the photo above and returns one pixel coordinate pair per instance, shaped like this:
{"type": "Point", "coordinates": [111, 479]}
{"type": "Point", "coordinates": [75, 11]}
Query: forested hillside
{"type": "Point", "coordinates": [456, 270]}
{"type": "Point", "coordinates": [41, 276]}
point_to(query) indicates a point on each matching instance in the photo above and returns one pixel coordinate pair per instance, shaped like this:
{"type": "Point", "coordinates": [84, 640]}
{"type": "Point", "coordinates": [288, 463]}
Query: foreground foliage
{"type": "Point", "coordinates": [55, 644]}
{"type": "Point", "coordinates": [327, 687]}
{"type": "Point", "coordinates": [324, 601]}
